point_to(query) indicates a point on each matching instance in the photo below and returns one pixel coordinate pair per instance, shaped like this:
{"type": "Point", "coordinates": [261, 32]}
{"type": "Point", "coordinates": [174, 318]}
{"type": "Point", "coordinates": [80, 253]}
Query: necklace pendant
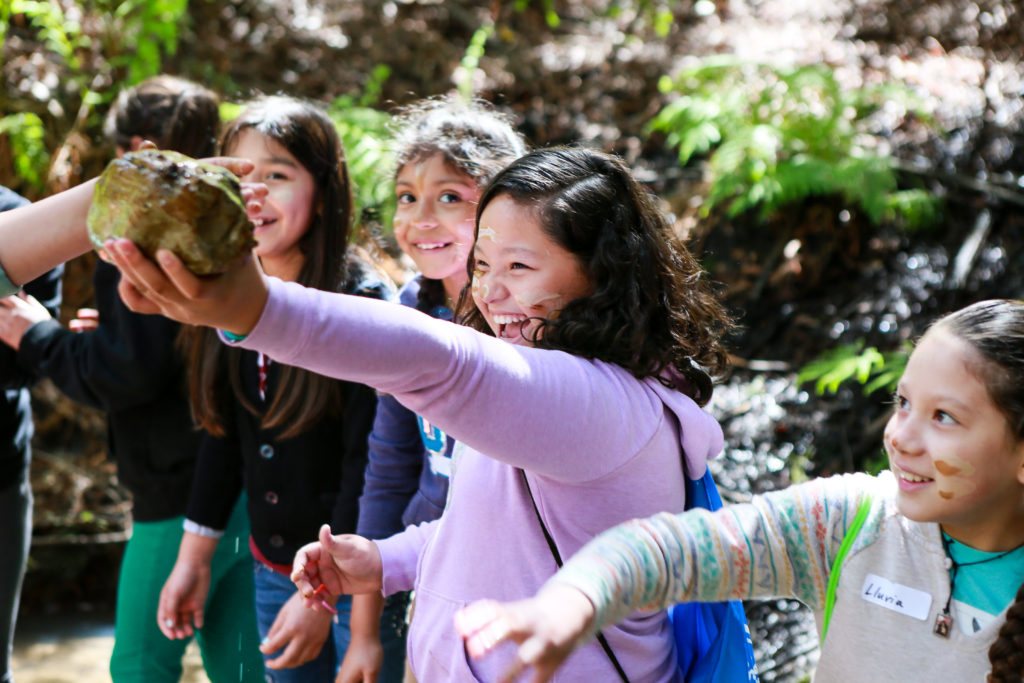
{"type": "Point", "coordinates": [943, 623]}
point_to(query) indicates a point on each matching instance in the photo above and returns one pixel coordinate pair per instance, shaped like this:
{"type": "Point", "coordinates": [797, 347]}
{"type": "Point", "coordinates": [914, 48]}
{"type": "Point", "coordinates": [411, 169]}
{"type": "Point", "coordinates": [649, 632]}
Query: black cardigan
{"type": "Point", "coordinates": [293, 485]}
{"type": "Point", "coordinates": [128, 367]}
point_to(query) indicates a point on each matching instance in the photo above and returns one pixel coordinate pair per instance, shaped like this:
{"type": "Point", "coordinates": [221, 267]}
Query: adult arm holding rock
{"type": "Point", "coordinates": [36, 237]}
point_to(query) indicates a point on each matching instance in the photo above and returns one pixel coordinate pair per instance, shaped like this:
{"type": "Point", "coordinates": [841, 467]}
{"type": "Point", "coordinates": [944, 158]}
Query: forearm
{"type": "Point", "coordinates": [196, 550]}
{"type": "Point", "coordinates": [364, 621]}
{"type": "Point", "coordinates": [39, 236]}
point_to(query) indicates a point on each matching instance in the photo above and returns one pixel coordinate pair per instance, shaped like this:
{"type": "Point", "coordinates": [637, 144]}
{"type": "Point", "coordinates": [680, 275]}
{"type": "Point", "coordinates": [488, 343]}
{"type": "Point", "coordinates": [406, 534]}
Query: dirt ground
{"type": "Point", "coordinates": [76, 649]}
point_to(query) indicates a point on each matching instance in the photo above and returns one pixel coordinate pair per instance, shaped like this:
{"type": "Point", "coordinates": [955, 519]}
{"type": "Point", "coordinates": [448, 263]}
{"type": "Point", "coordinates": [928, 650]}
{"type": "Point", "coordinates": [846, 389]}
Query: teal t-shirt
{"type": "Point", "coordinates": [983, 590]}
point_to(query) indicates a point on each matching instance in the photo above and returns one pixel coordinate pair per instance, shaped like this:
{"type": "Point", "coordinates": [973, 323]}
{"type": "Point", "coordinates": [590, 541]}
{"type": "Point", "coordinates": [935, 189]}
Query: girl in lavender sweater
{"type": "Point", "coordinates": [574, 394]}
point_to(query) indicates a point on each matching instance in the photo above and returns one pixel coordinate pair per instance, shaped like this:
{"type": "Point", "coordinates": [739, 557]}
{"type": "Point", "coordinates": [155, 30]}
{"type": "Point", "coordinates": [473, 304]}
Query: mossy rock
{"type": "Point", "coordinates": [165, 200]}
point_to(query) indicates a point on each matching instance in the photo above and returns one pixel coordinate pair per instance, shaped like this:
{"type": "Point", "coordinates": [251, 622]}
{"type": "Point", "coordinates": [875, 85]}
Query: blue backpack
{"type": "Point", "coordinates": [712, 638]}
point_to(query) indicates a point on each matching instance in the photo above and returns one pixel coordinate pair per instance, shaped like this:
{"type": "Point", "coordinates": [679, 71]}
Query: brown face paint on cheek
{"type": "Point", "coordinates": [477, 287]}
{"type": "Point", "coordinates": [957, 476]}
{"type": "Point", "coordinates": [534, 298]}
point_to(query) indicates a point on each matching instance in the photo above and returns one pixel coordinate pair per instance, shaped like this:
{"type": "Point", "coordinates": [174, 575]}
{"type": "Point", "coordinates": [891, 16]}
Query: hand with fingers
{"type": "Point", "coordinates": [18, 313]}
{"type": "Point", "coordinates": [362, 662]}
{"type": "Point", "coordinates": [547, 627]}
{"type": "Point", "coordinates": [180, 610]}
{"type": "Point", "coordinates": [297, 634]}
{"type": "Point", "coordinates": [86, 320]}
{"type": "Point", "coordinates": [343, 564]}
{"type": "Point", "coordinates": [231, 301]}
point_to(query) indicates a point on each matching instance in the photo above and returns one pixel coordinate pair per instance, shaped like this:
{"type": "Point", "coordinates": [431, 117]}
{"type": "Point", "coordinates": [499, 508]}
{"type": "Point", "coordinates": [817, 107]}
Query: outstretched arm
{"type": "Point", "coordinates": [494, 397]}
{"type": "Point", "coordinates": [781, 544]}
{"type": "Point", "coordinates": [37, 237]}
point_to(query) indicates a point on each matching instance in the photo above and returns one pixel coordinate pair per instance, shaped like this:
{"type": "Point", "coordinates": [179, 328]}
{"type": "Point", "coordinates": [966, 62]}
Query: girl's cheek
{"type": "Point", "coordinates": [956, 476]}
{"type": "Point", "coordinates": [477, 287]}
{"type": "Point", "coordinates": [285, 195]}
{"type": "Point", "coordinates": [533, 298]}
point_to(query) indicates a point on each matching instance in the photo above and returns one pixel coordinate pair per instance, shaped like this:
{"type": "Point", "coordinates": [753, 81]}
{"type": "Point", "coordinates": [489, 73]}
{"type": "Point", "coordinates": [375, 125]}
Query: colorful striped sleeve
{"type": "Point", "coordinates": [781, 544]}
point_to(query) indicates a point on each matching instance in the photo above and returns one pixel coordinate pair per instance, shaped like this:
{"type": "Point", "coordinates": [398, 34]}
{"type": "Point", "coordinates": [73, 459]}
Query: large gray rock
{"type": "Point", "coordinates": [162, 199]}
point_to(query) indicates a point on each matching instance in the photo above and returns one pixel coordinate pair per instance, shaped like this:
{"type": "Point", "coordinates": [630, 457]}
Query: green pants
{"type": "Point", "coordinates": [228, 640]}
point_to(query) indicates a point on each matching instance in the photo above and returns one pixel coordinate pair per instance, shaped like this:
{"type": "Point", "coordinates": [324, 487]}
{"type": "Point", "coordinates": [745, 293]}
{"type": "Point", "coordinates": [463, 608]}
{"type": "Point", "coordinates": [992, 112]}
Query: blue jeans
{"type": "Point", "coordinates": [274, 589]}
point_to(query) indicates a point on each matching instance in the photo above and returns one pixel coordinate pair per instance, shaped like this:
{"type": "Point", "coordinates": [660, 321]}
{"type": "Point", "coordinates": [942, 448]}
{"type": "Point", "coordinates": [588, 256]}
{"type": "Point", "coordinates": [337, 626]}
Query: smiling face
{"type": "Point", "coordinates": [288, 207]}
{"type": "Point", "coordinates": [434, 219]}
{"type": "Point", "coordinates": [520, 272]}
{"type": "Point", "coordinates": [951, 449]}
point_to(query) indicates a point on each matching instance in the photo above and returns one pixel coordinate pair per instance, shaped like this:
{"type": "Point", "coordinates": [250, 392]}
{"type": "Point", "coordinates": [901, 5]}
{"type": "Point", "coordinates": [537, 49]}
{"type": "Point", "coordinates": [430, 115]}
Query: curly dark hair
{"type": "Point", "coordinates": [652, 310]}
{"type": "Point", "coordinates": [995, 329]}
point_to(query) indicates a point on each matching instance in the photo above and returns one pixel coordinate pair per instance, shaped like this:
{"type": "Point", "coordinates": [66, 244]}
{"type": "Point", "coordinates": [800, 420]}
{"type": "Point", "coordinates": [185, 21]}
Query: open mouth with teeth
{"type": "Point", "coordinates": [258, 223]}
{"type": "Point", "coordinates": [909, 477]}
{"type": "Point", "coordinates": [510, 325]}
{"type": "Point", "coordinates": [432, 246]}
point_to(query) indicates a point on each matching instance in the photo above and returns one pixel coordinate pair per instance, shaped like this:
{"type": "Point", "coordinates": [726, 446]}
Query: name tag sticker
{"type": "Point", "coordinates": [897, 597]}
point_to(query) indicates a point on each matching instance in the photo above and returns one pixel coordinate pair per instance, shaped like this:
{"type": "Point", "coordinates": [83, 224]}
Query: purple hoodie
{"type": "Point", "coordinates": [599, 446]}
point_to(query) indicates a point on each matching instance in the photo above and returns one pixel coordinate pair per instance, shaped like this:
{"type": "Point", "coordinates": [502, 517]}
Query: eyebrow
{"type": "Point", "coordinates": [509, 251]}
{"type": "Point", "coordinates": [442, 181]}
{"type": "Point", "coordinates": [280, 160]}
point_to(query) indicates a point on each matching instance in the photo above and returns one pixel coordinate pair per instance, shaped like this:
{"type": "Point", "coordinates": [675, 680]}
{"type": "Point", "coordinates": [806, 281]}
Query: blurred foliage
{"type": "Point", "coordinates": [778, 135]}
{"type": "Point", "coordinates": [365, 135]}
{"type": "Point", "coordinates": [868, 366]}
{"type": "Point", "coordinates": [127, 41]}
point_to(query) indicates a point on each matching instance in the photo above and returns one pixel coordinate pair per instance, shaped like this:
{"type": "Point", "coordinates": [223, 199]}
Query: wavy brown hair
{"type": "Point", "coordinates": [652, 310]}
{"type": "Point", "coordinates": [303, 397]}
{"type": "Point", "coordinates": [472, 136]}
{"type": "Point", "coordinates": [995, 329]}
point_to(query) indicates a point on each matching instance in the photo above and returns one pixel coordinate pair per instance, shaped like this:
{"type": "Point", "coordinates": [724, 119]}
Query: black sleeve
{"type": "Point", "coordinates": [47, 289]}
{"type": "Point", "coordinates": [217, 481]}
{"type": "Point", "coordinates": [129, 360]}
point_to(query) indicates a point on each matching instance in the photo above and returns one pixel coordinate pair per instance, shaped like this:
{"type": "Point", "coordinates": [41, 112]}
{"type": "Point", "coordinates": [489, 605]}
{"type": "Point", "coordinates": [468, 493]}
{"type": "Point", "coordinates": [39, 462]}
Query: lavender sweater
{"type": "Point", "coordinates": [599, 447]}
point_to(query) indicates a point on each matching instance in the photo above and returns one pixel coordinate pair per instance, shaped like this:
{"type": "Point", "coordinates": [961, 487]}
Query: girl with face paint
{"type": "Point", "coordinates": [446, 150]}
{"type": "Point", "coordinates": [574, 396]}
{"type": "Point", "coordinates": [294, 441]}
{"type": "Point", "coordinates": [932, 587]}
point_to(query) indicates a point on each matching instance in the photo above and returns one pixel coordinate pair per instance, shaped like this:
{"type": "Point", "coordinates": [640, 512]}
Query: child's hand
{"type": "Point", "coordinates": [252, 193]}
{"type": "Point", "coordinates": [232, 301]}
{"type": "Point", "coordinates": [363, 660]}
{"type": "Point", "coordinates": [297, 633]}
{"type": "Point", "coordinates": [17, 314]}
{"type": "Point", "coordinates": [182, 599]}
{"type": "Point", "coordinates": [547, 627]}
{"type": "Point", "coordinates": [86, 320]}
{"type": "Point", "coordinates": [341, 564]}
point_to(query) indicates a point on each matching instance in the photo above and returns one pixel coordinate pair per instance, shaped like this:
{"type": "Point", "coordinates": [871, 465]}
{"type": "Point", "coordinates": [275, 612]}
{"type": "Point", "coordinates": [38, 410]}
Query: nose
{"type": "Point", "coordinates": [488, 288]}
{"type": "Point", "coordinates": [903, 434]}
{"type": "Point", "coordinates": [425, 217]}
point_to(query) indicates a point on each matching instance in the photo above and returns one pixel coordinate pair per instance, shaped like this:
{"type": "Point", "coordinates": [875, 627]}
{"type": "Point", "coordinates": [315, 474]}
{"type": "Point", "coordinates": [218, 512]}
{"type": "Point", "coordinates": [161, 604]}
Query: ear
{"type": "Point", "coordinates": [1019, 452]}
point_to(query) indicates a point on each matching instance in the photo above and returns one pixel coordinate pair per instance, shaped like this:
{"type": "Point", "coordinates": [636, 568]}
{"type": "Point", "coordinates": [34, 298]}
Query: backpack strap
{"type": "Point", "coordinates": [558, 561]}
{"type": "Point", "coordinates": [837, 565]}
